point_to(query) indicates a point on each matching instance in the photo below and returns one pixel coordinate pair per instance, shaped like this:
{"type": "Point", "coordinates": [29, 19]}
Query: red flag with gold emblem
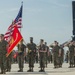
{"type": "Point", "coordinates": [16, 37]}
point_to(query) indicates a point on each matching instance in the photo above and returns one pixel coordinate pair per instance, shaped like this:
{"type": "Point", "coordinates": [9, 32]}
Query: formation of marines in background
{"type": "Point", "coordinates": [32, 53]}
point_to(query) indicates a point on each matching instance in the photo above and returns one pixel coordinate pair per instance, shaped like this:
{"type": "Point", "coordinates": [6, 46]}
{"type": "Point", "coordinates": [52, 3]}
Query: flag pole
{"type": "Point", "coordinates": [21, 23]}
{"type": "Point", "coordinates": [22, 12]}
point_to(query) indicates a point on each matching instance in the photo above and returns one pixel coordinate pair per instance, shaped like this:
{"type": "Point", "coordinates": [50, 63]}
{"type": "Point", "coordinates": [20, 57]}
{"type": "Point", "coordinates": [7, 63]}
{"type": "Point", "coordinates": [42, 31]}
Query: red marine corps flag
{"type": "Point", "coordinates": [16, 37]}
{"type": "Point", "coordinates": [13, 36]}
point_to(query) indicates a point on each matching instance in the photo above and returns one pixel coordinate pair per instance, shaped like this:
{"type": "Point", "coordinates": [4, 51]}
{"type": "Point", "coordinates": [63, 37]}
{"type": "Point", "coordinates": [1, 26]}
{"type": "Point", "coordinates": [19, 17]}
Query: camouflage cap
{"type": "Point", "coordinates": [45, 42]}
{"type": "Point", "coordinates": [55, 41]}
{"type": "Point", "coordinates": [41, 40]}
{"type": "Point", "coordinates": [31, 37]}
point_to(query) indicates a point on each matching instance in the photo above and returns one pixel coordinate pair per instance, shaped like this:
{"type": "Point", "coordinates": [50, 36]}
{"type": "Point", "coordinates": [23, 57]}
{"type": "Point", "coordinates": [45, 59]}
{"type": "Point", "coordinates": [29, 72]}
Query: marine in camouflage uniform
{"type": "Point", "coordinates": [21, 55]}
{"type": "Point", "coordinates": [31, 54]}
{"type": "Point", "coordinates": [42, 55]}
{"type": "Point", "coordinates": [56, 54]}
{"type": "Point", "coordinates": [71, 54]}
{"type": "Point", "coordinates": [3, 51]}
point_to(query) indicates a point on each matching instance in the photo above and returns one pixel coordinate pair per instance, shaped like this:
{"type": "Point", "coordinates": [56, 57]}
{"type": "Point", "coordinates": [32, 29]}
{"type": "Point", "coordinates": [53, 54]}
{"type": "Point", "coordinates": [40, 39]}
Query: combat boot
{"type": "Point", "coordinates": [41, 70]}
{"type": "Point", "coordinates": [1, 72]}
{"type": "Point", "coordinates": [29, 70]}
{"type": "Point", "coordinates": [19, 70]}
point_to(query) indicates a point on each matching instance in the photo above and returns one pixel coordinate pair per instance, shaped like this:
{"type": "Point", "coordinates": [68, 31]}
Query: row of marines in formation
{"type": "Point", "coordinates": [43, 50]}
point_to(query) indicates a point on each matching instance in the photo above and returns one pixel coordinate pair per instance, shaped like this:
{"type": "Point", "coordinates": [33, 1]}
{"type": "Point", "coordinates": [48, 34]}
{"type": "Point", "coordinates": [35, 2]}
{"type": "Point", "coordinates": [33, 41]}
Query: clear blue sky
{"type": "Point", "coordinates": [42, 19]}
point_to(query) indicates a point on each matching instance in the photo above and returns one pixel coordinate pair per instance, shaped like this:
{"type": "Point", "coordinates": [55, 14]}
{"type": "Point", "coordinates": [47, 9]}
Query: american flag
{"type": "Point", "coordinates": [17, 21]}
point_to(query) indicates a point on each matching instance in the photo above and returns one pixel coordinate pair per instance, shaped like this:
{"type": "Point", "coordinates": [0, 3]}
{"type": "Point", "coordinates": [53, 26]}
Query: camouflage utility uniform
{"type": "Point", "coordinates": [3, 51]}
{"type": "Point", "coordinates": [42, 56]}
{"type": "Point", "coordinates": [71, 55]}
{"type": "Point", "coordinates": [31, 54]}
{"type": "Point", "coordinates": [56, 55]}
{"type": "Point", "coordinates": [21, 53]}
